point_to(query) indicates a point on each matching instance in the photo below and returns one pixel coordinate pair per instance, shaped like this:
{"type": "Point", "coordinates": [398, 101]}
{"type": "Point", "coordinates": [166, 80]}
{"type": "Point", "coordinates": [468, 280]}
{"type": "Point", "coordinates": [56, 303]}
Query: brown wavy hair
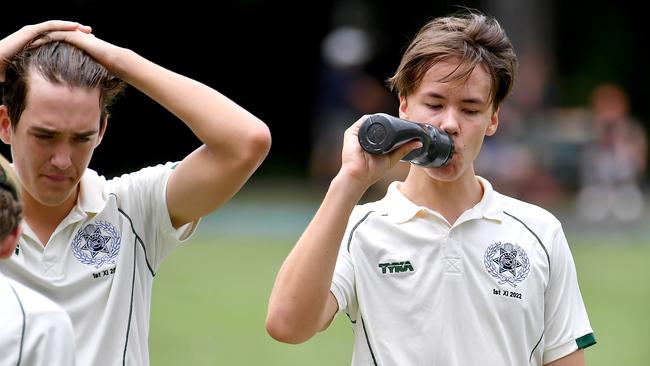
{"type": "Point", "coordinates": [469, 36]}
{"type": "Point", "coordinates": [59, 63]}
{"type": "Point", "coordinates": [11, 209]}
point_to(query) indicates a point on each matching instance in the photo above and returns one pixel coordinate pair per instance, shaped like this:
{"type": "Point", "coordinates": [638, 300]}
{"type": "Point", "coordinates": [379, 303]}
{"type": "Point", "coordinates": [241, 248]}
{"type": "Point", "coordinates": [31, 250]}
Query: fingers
{"type": "Point", "coordinates": [61, 35]}
{"type": "Point", "coordinates": [354, 129]}
{"type": "Point", "coordinates": [52, 26]}
{"type": "Point", "coordinates": [53, 30]}
{"type": "Point", "coordinates": [60, 25]}
{"type": "Point", "coordinates": [394, 156]}
{"type": "Point", "coordinates": [53, 36]}
{"type": "Point", "coordinates": [85, 28]}
{"type": "Point", "coordinates": [12, 44]}
{"type": "Point", "coordinates": [403, 150]}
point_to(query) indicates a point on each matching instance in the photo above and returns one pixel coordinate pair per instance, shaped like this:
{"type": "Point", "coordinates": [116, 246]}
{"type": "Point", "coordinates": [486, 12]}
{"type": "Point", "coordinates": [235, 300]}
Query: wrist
{"type": "Point", "coordinates": [353, 186]}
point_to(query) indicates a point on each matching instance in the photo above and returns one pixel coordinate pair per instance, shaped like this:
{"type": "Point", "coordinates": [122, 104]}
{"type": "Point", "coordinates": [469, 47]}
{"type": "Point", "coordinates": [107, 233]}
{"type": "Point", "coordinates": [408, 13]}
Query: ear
{"type": "Point", "coordinates": [403, 107]}
{"type": "Point", "coordinates": [494, 123]}
{"type": "Point", "coordinates": [8, 244]}
{"type": "Point", "coordinates": [102, 130]}
{"type": "Point", "coordinates": [5, 125]}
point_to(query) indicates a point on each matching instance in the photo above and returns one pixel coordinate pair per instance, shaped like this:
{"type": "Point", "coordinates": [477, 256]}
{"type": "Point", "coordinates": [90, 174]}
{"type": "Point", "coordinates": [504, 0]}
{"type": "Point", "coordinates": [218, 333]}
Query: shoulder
{"type": "Point", "coordinates": [43, 317]}
{"type": "Point", "coordinates": [47, 334]}
{"type": "Point", "coordinates": [362, 211]}
{"type": "Point", "coordinates": [147, 182]}
{"type": "Point", "coordinates": [150, 173]}
{"type": "Point", "coordinates": [35, 304]}
{"type": "Point", "coordinates": [534, 217]}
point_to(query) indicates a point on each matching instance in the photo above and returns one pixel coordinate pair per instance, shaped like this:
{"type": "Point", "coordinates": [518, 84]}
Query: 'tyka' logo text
{"type": "Point", "coordinates": [396, 267]}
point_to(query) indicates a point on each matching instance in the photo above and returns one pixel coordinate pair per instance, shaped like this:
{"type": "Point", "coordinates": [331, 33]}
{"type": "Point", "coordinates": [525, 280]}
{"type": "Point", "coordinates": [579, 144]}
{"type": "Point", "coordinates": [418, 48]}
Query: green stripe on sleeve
{"type": "Point", "coordinates": [586, 341]}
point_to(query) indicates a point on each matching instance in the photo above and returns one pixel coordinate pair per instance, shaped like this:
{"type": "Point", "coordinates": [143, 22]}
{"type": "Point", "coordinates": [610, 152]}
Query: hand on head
{"type": "Point", "coordinates": [15, 42]}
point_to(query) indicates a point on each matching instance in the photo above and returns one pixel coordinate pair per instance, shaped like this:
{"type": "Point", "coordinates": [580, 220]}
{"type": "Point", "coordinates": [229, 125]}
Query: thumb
{"type": "Point", "coordinates": [403, 150]}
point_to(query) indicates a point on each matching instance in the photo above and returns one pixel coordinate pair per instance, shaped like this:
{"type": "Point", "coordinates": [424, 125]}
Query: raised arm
{"type": "Point", "coordinates": [301, 303]}
{"type": "Point", "coordinates": [234, 141]}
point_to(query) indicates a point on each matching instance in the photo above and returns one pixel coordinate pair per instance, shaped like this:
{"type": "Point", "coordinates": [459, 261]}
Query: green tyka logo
{"type": "Point", "coordinates": [396, 267]}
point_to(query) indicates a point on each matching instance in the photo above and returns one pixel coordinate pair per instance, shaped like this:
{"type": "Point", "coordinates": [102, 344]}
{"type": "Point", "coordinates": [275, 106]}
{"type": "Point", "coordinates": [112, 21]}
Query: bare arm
{"type": "Point", "coordinates": [301, 303]}
{"type": "Point", "coordinates": [576, 358]}
{"type": "Point", "coordinates": [234, 141]}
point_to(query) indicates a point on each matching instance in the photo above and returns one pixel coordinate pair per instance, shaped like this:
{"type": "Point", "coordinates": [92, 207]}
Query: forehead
{"type": "Point", "coordinates": [477, 84]}
{"type": "Point", "coordinates": [54, 104]}
{"type": "Point", "coordinates": [40, 87]}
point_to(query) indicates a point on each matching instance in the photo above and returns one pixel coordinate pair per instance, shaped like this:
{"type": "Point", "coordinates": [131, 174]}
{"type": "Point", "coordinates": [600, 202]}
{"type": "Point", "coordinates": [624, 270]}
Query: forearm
{"type": "Point", "coordinates": [222, 125]}
{"type": "Point", "coordinates": [234, 141]}
{"type": "Point", "coordinates": [302, 286]}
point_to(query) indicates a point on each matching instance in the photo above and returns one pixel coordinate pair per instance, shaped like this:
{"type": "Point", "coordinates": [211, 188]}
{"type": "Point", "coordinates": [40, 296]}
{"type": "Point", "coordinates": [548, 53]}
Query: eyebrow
{"type": "Point", "coordinates": [47, 131]}
{"type": "Point", "coordinates": [466, 100]}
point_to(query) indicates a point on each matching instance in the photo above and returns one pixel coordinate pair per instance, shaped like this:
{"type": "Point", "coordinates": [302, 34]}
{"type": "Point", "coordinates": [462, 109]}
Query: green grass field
{"type": "Point", "coordinates": [615, 285]}
{"type": "Point", "coordinates": [209, 308]}
{"type": "Point", "coordinates": [210, 303]}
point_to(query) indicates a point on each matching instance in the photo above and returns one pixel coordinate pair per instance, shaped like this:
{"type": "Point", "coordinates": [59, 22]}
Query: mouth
{"type": "Point", "coordinates": [57, 177]}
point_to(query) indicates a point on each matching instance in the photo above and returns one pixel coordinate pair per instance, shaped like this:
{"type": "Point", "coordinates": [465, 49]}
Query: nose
{"type": "Point", "coordinates": [450, 123]}
{"type": "Point", "coordinates": [61, 157]}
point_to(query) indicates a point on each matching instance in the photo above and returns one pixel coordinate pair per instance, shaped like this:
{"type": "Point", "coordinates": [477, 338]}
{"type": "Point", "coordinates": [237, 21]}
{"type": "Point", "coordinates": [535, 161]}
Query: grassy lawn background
{"type": "Point", "coordinates": [210, 304]}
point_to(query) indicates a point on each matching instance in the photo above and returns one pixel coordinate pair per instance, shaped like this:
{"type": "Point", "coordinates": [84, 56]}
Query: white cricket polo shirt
{"type": "Point", "coordinates": [499, 287]}
{"type": "Point", "coordinates": [100, 262]}
{"type": "Point", "coordinates": [35, 331]}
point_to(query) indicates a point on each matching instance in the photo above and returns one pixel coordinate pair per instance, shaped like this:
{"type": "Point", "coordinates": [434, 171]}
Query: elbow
{"type": "Point", "coordinates": [284, 330]}
{"type": "Point", "coordinates": [258, 142]}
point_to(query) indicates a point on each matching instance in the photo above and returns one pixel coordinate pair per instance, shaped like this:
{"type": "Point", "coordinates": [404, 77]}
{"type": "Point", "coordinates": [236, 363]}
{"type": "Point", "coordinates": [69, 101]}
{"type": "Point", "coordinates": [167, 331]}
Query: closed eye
{"type": "Point", "coordinates": [435, 107]}
{"type": "Point", "coordinates": [82, 139]}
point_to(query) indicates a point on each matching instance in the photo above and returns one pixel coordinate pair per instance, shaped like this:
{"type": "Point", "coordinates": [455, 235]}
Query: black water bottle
{"type": "Point", "coordinates": [382, 133]}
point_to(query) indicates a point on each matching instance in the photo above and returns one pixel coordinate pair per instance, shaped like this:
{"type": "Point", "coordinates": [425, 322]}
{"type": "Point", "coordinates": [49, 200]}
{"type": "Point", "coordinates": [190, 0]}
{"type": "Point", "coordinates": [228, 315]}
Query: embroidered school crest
{"type": "Point", "coordinates": [96, 244]}
{"type": "Point", "coordinates": [506, 262]}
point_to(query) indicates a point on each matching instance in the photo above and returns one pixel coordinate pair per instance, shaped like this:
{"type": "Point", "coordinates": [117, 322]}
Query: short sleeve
{"type": "Point", "coordinates": [142, 196]}
{"type": "Point", "coordinates": [567, 326]}
{"type": "Point", "coordinates": [343, 282]}
{"type": "Point", "coordinates": [184, 232]}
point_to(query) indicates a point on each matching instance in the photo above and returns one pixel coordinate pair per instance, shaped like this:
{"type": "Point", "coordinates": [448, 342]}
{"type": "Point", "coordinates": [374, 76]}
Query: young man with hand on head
{"type": "Point", "coordinates": [90, 244]}
{"type": "Point", "coordinates": [35, 331]}
{"type": "Point", "coordinates": [443, 270]}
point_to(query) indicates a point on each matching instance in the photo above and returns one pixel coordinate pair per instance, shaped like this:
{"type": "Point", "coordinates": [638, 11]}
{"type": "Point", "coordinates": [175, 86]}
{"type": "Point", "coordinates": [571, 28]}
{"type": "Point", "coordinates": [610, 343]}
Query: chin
{"type": "Point", "coordinates": [443, 177]}
{"type": "Point", "coordinates": [447, 173]}
{"type": "Point", "coordinates": [50, 201]}
{"type": "Point", "coordinates": [53, 199]}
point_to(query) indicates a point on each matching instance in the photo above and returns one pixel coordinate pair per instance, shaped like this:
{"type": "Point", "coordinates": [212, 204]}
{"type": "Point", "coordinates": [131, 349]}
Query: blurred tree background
{"type": "Point", "coordinates": [265, 55]}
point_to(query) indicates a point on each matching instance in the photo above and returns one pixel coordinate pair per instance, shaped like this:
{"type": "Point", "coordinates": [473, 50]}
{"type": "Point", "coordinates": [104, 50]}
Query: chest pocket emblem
{"type": "Point", "coordinates": [507, 262]}
{"type": "Point", "coordinates": [96, 244]}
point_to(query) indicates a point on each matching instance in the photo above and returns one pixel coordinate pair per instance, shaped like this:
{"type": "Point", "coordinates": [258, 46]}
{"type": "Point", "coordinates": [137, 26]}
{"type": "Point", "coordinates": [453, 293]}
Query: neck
{"type": "Point", "coordinates": [44, 219]}
{"type": "Point", "coordinates": [450, 199]}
